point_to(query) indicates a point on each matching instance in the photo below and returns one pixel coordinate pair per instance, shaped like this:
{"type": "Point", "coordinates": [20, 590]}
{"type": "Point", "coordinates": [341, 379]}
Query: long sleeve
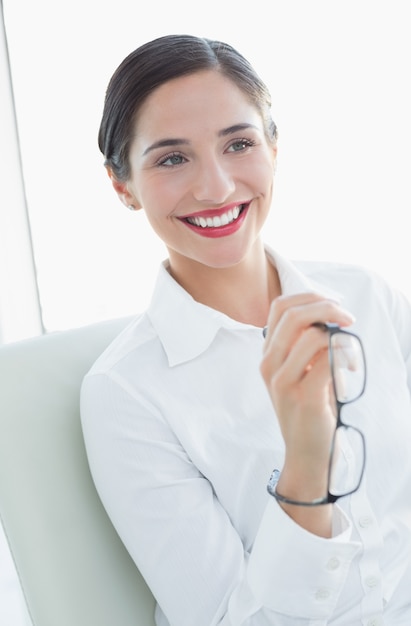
{"type": "Point", "coordinates": [183, 540]}
{"type": "Point", "coordinates": [181, 438]}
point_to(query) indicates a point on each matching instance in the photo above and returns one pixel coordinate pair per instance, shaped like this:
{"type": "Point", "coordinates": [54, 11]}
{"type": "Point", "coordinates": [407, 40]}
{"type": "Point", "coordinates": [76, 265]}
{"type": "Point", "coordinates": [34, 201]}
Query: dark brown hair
{"type": "Point", "coordinates": [157, 62]}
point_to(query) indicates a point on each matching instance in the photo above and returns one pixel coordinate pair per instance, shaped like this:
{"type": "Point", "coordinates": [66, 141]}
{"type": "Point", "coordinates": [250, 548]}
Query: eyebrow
{"type": "Point", "coordinates": [165, 143]}
{"type": "Point", "coordinates": [235, 128]}
{"type": "Point", "coordinates": [169, 143]}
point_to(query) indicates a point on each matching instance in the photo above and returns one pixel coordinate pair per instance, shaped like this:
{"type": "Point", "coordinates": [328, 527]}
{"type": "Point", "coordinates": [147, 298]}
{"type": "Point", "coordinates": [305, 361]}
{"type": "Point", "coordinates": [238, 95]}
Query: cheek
{"type": "Point", "coordinates": [261, 171]}
{"type": "Point", "coordinates": [160, 194]}
{"type": "Point", "coordinates": [159, 201]}
{"type": "Point", "coordinates": [157, 215]}
{"type": "Point", "coordinates": [267, 170]}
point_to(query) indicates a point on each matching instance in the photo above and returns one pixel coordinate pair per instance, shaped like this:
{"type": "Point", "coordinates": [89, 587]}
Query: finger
{"type": "Point", "coordinates": [297, 318]}
{"type": "Point", "coordinates": [301, 358]}
{"type": "Point", "coordinates": [282, 303]}
{"type": "Point", "coordinates": [306, 408]}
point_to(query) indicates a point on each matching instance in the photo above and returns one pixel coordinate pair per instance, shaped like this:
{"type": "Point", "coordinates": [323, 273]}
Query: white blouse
{"type": "Point", "coordinates": [182, 438]}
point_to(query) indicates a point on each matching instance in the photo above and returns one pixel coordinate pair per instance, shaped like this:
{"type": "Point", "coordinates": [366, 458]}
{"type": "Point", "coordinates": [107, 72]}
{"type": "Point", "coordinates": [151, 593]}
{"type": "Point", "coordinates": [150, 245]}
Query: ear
{"type": "Point", "coordinates": [123, 192]}
{"type": "Point", "coordinates": [274, 155]}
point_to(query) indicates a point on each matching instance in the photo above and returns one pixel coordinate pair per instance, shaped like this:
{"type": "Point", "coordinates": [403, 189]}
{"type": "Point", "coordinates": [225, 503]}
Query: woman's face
{"type": "Point", "coordinates": [202, 169]}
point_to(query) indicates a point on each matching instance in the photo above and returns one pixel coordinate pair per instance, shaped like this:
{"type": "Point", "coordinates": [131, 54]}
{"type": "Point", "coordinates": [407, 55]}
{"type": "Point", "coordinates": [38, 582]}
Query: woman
{"type": "Point", "coordinates": [189, 411]}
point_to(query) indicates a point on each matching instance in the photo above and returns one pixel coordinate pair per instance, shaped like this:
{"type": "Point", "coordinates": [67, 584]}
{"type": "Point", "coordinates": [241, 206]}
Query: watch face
{"type": "Point", "coordinates": [272, 483]}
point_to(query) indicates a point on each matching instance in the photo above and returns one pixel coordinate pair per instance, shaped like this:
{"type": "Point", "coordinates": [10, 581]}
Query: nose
{"type": "Point", "coordinates": [214, 182]}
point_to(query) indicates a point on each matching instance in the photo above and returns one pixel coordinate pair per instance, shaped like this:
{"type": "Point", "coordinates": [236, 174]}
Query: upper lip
{"type": "Point", "coordinates": [215, 212]}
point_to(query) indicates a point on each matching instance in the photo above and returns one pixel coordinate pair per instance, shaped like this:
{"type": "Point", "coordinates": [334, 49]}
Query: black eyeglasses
{"type": "Point", "coordinates": [347, 453]}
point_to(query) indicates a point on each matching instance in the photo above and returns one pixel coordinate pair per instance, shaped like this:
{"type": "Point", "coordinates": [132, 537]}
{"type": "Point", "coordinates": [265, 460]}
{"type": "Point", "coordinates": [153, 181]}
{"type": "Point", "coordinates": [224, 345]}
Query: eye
{"type": "Point", "coordinates": [240, 144]}
{"type": "Point", "coordinates": [170, 160]}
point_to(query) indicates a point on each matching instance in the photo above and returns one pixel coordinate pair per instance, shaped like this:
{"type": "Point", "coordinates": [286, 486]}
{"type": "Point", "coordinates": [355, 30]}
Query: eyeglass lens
{"type": "Point", "coordinates": [348, 450]}
{"type": "Point", "coordinates": [348, 366]}
{"type": "Point", "coordinates": [347, 461]}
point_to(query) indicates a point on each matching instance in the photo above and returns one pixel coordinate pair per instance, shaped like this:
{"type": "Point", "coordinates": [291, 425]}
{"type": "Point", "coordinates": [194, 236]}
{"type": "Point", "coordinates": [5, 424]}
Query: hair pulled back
{"type": "Point", "coordinates": [155, 63]}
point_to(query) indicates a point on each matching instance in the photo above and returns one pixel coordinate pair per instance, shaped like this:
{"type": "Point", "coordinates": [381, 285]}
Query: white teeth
{"type": "Point", "coordinates": [215, 222]}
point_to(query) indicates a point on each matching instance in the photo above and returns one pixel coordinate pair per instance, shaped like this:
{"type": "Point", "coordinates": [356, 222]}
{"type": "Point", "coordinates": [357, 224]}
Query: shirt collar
{"type": "Point", "coordinates": [186, 328]}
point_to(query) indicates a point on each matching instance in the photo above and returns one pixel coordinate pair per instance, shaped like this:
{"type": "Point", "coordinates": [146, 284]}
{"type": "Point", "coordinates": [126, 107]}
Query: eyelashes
{"type": "Point", "coordinates": [175, 158]}
{"type": "Point", "coordinates": [243, 143]}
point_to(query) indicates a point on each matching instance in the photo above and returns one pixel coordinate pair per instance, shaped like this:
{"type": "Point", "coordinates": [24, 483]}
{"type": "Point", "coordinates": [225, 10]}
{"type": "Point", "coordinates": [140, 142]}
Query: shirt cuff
{"type": "Point", "coordinates": [293, 572]}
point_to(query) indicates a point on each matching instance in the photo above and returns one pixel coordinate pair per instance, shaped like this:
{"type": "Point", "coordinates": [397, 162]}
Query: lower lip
{"type": "Point", "coordinates": [220, 231]}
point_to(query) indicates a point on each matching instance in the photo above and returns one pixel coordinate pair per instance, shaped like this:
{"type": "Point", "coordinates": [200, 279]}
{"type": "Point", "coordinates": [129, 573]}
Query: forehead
{"type": "Point", "coordinates": [199, 101]}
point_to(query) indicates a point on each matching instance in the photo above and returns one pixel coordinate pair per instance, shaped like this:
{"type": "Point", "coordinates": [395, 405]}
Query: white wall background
{"type": "Point", "coordinates": [339, 73]}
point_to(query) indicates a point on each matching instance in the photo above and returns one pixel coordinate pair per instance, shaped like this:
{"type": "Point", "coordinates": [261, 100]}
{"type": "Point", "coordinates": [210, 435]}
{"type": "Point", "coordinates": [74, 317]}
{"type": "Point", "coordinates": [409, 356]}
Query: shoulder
{"type": "Point", "coordinates": [352, 281]}
{"type": "Point", "coordinates": [136, 338]}
{"type": "Point", "coordinates": [334, 273]}
{"type": "Point", "coordinates": [362, 289]}
{"type": "Point", "coordinates": [369, 296]}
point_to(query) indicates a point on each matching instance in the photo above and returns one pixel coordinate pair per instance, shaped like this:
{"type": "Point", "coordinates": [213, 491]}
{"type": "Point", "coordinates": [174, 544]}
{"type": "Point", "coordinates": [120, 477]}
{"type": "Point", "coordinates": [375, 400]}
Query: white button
{"type": "Point", "coordinates": [365, 521]}
{"type": "Point", "coordinates": [333, 563]}
{"type": "Point", "coordinates": [372, 581]}
{"type": "Point", "coordinates": [322, 594]}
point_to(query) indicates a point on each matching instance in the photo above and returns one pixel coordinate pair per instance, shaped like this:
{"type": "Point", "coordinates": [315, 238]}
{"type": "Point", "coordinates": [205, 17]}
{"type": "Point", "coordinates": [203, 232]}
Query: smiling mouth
{"type": "Point", "coordinates": [217, 221]}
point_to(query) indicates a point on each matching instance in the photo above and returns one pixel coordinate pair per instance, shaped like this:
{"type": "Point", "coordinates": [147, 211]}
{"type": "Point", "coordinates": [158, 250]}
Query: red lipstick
{"type": "Point", "coordinates": [217, 222]}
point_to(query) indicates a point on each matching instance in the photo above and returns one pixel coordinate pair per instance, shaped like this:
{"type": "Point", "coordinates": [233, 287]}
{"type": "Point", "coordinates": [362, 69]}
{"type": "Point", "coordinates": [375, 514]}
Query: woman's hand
{"type": "Point", "coordinates": [295, 368]}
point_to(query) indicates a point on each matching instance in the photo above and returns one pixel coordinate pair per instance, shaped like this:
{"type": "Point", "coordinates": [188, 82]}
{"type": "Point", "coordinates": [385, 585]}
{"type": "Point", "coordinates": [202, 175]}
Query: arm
{"type": "Point", "coordinates": [182, 539]}
{"type": "Point", "coordinates": [296, 371]}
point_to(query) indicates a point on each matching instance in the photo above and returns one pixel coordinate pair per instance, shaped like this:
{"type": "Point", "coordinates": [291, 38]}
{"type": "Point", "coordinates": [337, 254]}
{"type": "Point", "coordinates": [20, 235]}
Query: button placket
{"type": "Point", "coordinates": [333, 564]}
{"type": "Point", "coordinates": [372, 581]}
{"type": "Point", "coordinates": [322, 593]}
{"type": "Point", "coordinates": [369, 566]}
{"type": "Point", "coordinates": [365, 521]}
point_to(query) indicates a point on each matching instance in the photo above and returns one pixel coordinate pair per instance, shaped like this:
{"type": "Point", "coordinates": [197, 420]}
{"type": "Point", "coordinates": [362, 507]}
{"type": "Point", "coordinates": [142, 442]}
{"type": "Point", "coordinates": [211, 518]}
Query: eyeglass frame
{"type": "Point", "coordinates": [330, 498]}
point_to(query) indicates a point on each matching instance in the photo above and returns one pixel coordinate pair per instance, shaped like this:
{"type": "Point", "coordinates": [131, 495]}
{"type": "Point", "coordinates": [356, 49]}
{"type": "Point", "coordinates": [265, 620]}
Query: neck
{"type": "Point", "coordinates": [244, 291]}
